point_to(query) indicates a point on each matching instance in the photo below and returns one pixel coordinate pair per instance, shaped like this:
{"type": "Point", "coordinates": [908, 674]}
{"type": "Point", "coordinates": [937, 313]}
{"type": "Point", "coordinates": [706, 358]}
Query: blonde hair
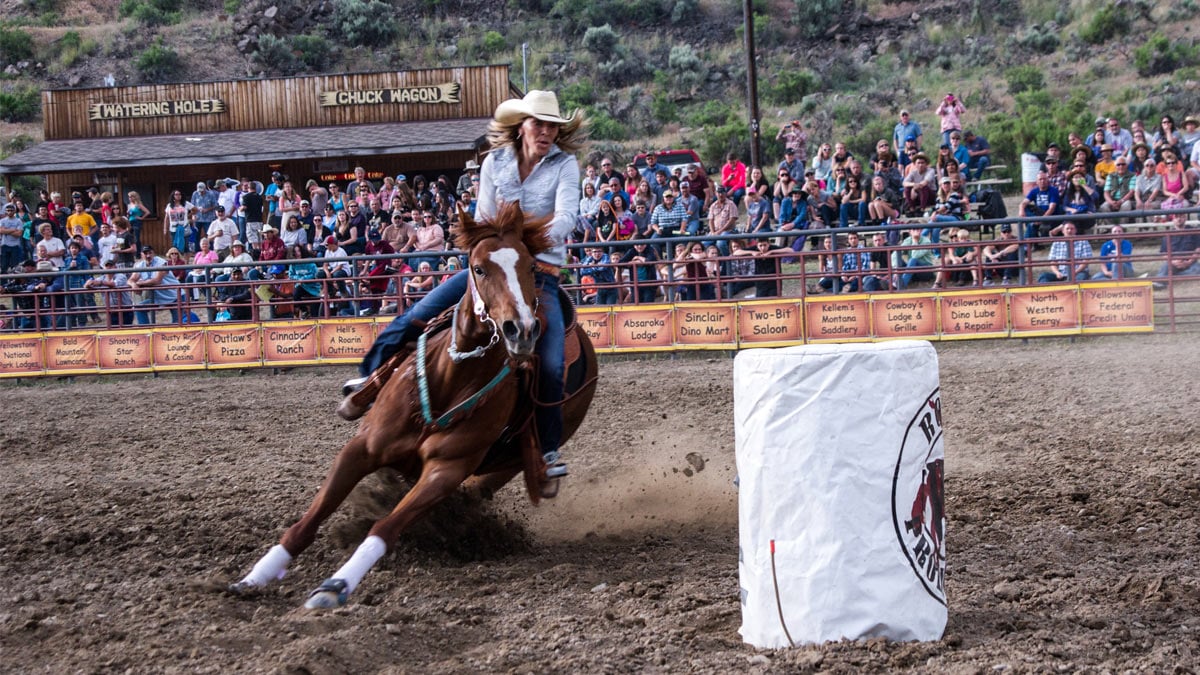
{"type": "Point", "coordinates": [135, 198]}
{"type": "Point", "coordinates": [571, 135]}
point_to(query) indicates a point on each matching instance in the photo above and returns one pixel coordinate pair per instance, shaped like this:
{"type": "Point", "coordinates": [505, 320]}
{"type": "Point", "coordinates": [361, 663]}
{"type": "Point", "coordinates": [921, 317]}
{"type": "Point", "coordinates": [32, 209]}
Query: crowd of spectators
{"type": "Point", "coordinates": [283, 244]}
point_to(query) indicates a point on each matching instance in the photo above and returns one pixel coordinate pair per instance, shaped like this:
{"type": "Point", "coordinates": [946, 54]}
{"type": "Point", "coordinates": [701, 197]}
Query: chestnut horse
{"type": "Point", "coordinates": [460, 363]}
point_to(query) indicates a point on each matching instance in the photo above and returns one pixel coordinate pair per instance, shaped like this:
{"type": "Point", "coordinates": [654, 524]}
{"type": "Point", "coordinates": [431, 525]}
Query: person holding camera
{"type": "Point", "coordinates": [796, 140]}
{"type": "Point", "coordinates": [949, 110]}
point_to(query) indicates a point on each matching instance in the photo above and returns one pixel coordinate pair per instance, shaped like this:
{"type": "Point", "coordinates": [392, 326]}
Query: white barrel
{"type": "Point", "coordinates": [1030, 166]}
{"type": "Point", "coordinates": [840, 502]}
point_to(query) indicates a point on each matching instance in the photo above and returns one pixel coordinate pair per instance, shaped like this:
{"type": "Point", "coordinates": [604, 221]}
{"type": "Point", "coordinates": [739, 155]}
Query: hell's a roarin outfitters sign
{"type": "Point", "coordinates": [431, 93]}
{"type": "Point", "coordinates": [120, 111]}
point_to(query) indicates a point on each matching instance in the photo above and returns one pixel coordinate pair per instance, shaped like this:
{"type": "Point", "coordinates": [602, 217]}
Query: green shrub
{"type": "Point", "coordinates": [158, 63]}
{"type": "Point", "coordinates": [601, 40]}
{"type": "Point", "coordinates": [577, 94]}
{"type": "Point", "coordinates": [1107, 23]}
{"type": "Point", "coordinates": [1159, 55]}
{"type": "Point", "coordinates": [603, 126]}
{"type": "Point", "coordinates": [15, 45]}
{"type": "Point", "coordinates": [20, 105]}
{"type": "Point", "coordinates": [1024, 78]}
{"type": "Point", "coordinates": [314, 51]}
{"type": "Point", "coordinates": [681, 10]}
{"type": "Point", "coordinates": [686, 68]}
{"type": "Point", "coordinates": [151, 12]}
{"type": "Point", "coordinates": [791, 86]}
{"type": "Point", "coordinates": [1038, 119]}
{"type": "Point", "coordinates": [663, 108]}
{"type": "Point", "coordinates": [363, 23]}
{"type": "Point", "coordinates": [1037, 38]}
{"type": "Point", "coordinates": [493, 42]}
{"type": "Point", "coordinates": [232, 6]}
{"type": "Point", "coordinates": [814, 17]}
{"type": "Point", "coordinates": [274, 54]}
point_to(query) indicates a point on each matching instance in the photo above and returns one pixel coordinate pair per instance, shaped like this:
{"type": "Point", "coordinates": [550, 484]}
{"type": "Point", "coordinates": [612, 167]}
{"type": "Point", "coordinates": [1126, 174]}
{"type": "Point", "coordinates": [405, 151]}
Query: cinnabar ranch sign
{"type": "Point", "coordinates": [121, 111]}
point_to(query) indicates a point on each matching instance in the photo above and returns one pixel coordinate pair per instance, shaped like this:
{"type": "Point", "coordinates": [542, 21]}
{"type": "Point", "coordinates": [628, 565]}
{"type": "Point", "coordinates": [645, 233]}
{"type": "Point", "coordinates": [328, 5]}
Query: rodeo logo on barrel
{"type": "Point", "coordinates": [918, 503]}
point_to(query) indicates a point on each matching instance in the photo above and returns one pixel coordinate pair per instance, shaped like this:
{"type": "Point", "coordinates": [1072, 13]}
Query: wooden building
{"type": "Point", "coordinates": [158, 138]}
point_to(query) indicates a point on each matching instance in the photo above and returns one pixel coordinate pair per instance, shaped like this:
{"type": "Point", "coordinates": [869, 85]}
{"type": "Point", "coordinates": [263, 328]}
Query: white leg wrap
{"type": "Point", "coordinates": [270, 567]}
{"type": "Point", "coordinates": [365, 556]}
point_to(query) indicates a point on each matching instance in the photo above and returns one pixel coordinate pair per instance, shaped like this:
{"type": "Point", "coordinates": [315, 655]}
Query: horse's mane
{"type": "Point", "coordinates": [510, 219]}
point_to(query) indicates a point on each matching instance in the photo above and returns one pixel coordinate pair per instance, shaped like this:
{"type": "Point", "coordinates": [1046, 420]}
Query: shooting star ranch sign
{"type": "Point", "coordinates": [119, 111]}
{"type": "Point", "coordinates": [434, 93]}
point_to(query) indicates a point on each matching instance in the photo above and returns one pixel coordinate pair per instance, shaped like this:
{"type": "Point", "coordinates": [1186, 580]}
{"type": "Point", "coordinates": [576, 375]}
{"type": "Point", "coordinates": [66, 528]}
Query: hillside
{"type": "Point", "coordinates": [656, 72]}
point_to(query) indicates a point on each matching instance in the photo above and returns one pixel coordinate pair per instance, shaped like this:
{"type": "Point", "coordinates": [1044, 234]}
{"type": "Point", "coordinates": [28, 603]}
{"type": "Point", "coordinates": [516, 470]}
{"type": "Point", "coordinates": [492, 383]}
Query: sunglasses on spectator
{"type": "Point", "coordinates": [1169, 162]}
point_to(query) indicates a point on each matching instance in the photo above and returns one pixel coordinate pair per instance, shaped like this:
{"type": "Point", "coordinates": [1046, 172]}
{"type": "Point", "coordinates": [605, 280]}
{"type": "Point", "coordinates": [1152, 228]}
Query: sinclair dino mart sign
{"type": "Point", "coordinates": [1123, 307]}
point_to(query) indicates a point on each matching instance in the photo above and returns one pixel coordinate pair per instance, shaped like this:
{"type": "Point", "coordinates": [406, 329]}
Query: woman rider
{"type": "Point", "coordinates": [532, 160]}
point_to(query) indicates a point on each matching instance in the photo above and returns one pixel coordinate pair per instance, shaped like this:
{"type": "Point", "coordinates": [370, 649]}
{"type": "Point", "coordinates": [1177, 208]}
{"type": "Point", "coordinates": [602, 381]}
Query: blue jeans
{"type": "Point", "coordinates": [912, 264]}
{"type": "Point", "coordinates": [549, 348]}
{"type": "Point", "coordinates": [856, 209]}
{"type": "Point", "coordinates": [147, 317]}
{"type": "Point", "coordinates": [977, 165]}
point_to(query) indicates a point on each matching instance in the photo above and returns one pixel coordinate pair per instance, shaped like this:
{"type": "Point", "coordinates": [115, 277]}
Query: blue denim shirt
{"type": "Point", "coordinates": [551, 189]}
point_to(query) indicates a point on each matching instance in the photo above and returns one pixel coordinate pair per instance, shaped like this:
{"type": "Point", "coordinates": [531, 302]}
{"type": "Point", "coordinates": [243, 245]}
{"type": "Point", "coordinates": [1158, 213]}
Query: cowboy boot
{"type": "Point", "coordinates": [361, 393]}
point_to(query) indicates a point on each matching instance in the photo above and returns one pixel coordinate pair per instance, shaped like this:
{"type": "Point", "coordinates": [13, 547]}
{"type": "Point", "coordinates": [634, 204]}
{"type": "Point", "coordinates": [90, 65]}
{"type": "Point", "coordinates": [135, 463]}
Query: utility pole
{"type": "Point", "coordinates": [524, 72]}
{"type": "Point", "coordinates": [751, 84]}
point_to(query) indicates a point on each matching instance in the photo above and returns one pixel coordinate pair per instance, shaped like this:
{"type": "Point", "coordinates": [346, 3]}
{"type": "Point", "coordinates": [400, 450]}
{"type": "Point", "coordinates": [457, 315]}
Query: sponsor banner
{"type": "Point", "coordinates": [643, 328]}
{"type": "Point", "coordinates": [974, 314]}
{"type": "Point", "coordinates": [346, 341]}
{"type": "Point", "coordinates": [844, 318]}
{"type": "Point", "coordinates": [770, 323]}
{"type": "Point", "coordinates": [904, 316]}
{"type": "Point", "coordinates": [290, 343]}
{"type": "Point", "coordinates": [233, 347]}
{"type": "Point", "coordinates": [178, 348]}
{"type": "Point", "coordinates": [1053, 310]}
{"type": "Point", "coordinates": [1117, 308]}
{"type": "Point", "coordinates": [597, 323]}
{"type": "Point", "coordinates": [706, 326]}
{"type": "Point", "coordinates": [21, 355]}
{"type": "Point", "coordinates": [126, 351]}
{"type": "Point", "coordinates": [446, 92]}
{"type": "Point", "coordinates": [73, 352]}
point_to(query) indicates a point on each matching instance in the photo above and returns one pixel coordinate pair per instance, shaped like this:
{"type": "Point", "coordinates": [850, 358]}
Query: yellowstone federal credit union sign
{"type": "Point", "coordinates": [432, 93]}
{"type": "Point", "coordinates": [121, 111]}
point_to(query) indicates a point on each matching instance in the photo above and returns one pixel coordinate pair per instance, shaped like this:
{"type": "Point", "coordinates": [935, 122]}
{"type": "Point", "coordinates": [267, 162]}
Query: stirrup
{"type": "Point", "coordinates": [555, 467]}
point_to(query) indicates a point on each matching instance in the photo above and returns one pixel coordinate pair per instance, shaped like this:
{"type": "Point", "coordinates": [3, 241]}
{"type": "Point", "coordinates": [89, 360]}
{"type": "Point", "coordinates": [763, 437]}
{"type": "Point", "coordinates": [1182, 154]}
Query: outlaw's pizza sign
{"type": "Point", "coordinates": [433, 93]}
{"type": "Point", "coordinates": [120, 111]}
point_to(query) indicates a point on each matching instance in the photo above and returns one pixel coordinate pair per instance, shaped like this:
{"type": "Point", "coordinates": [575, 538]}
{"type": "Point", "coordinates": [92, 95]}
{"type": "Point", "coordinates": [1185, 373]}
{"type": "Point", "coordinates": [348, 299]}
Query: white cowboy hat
{"type": "Point", "coordinates": [542, 105]}
{"type": "Point", "coordinates": [471, 165]}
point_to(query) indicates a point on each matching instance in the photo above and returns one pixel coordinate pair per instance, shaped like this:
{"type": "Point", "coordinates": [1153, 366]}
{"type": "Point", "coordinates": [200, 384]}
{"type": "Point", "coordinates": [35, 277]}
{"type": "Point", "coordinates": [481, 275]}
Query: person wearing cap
{"type": "Point", "coordinates": [666, 218]}
{"type": "Point", "coordinates": [794, 139]}
{"type": "Point", "coordinates": [271, 195]}
{"type": "Point", "coordinates": [906, 128]}
{"type": "Point", "coordinates": [204, 211]}
{"type": "Point", "coordinates": [221, 233]}
{"type": "Point", "coordinates": [161, 287]}
{"type": "Point", "coordinates": [317, 195]}
{"type": "Point", "coordinates": [792, 164]}
{"type": "Point", "coordinates": [722, 216]}
{"type": "Point", "coordinates": [691, 206]}
{"type": "Point", "coordinates": [532, 162]}
{"type": "Point", "coordinates": [12, 243]}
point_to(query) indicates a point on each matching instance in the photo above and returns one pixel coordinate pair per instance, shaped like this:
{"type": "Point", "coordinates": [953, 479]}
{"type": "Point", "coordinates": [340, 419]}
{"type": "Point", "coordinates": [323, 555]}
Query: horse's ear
{"type": "Point", "coordinates": [535, 234]}
{"type": "Point", "coordinates": [466, 223]}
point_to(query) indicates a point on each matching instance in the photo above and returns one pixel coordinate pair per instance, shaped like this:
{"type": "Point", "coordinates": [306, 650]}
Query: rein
{"type": "Point", "coordinates": [462, 409]}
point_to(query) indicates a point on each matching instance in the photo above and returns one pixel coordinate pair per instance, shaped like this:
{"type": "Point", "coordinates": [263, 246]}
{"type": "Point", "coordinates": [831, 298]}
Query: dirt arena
{"type": "Point", "coordinates": [1072, 495]}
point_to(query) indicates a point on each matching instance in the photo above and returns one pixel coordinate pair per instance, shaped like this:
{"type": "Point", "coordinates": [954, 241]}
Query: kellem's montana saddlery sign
{"type": "Point", "coordinates": [432, 93]}
{"type": "Point", "coordinates": [120, 111]}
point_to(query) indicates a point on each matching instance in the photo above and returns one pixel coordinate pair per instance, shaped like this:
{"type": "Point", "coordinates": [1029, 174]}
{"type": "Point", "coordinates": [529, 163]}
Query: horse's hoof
{"type": "Point", "coordinates": [242, 589]}
{"type": "Point", "coordinates": [331, 594]}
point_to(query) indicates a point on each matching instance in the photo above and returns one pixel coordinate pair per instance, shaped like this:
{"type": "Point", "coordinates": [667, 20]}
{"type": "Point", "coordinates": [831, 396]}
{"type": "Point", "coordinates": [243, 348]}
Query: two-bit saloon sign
{"type": "Point", "coordinates": [120, 111]}
{"type": "Point", "coordinates": [431, 93]}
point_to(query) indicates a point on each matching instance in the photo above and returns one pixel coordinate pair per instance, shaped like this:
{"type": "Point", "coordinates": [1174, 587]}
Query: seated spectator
{"type": "Point", "coordinates": [50, 247]}
{"type": "Point", "coordinates": [1176, 185]}
{"type": "Point", "coordinates": [733, 177]}
{"type": "Point", "coordinates": [598, 267]}
{"type": "Point", "coordinates": [690, 266]}
{"type": "Point", "coordinates": [722, 214]}
{"type": "Point", "coordinates": [431, 240]}
{"type": "Point", "coordinates": [294, 235]}
{"type": "Point", "coordinates": [589, 206]}
{"type": "Point", "coordinates": [766, 267]}
{"type": "Point", "coordinates": [1119, 190]}
{"type": "Point", "coordinates": [605, 229]}
{"type": "Point", "coordinates": [667, 217]}
{"type": "Point", "coordinates": [920, 186]}
{"type": "Point", "coordinates": [234, 298]}
{"type": "Point", "coordinates": [1042, 200]}
{"type": "Point", "coordinates": [237, 256]}
{"type": "Point", "coordinates": [885, 202]}
{"type": "Point", "coordinates": [853, 202]}
{"type": "Point", "coordinates": [1138, 157]}
{"type": "Point", "coordinates": [335, 273]}
{"type": "Point", "coordinates": [948, 209]}
{"type": "Point", "coordinates": [692, 205]}
{"type": "Point", "coordinates": [418, 284]}
{"type": "Point", "coordinates": [643, 259]}
{"type": "Point", "coordinates": [918, 253]}
{"type": "Point", "coordinates": [856, 261]}
{"type": "Point", "coordinates": [793, 218]}
{"type": "Point", "coordinates": [306, 293]}
{"type": "Point", "coordinates": [374, 284]}
{"type": "Point", "coordinates": [822, 164]}
{"type": "Point", "coordinates": [1071, 256]}
{"type": "Point", "coordinates": [1000, 259]}
{"type": "Point", "coordinates": [1105, 165]}
{"type": "Point", "coordinates": [827, 264]}
{"type": "Point", "coordinates": [758, 216]}
{"type": "Point", "coordinates": [1115, 254]}
{"type": "Point", "coordinates": [1079, 200]}
{"type": "Point", "coordinates": [880, 262]}
{"type": "Point", "coordinates": [1148, 188]}
{"type": "Point", "coordinates": [958, 260]}
{"type": "Point", "coordinates": [161, 289]}
{"type": "Point", "coordinates": [117, 298]}
{"type": "Point", "coordinates": [1181, 246]}
{"type": "Point", "coordinates": [641, 220]}
{"type": "Point", "coordinates": [739, 269]}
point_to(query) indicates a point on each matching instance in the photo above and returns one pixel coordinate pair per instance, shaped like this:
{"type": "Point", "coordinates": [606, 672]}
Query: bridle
{"type": "Point", "coordinates": [479, 307]}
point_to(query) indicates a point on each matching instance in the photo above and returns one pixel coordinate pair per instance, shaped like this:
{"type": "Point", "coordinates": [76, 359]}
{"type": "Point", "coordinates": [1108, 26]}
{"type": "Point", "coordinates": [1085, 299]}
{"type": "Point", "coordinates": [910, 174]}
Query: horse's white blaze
{"type": "Point", "coordinates": [506, 260]}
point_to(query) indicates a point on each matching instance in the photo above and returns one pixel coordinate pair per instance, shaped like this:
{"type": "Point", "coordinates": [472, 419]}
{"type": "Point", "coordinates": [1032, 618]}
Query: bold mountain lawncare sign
{"type": "Point", "coordinates": [73, 352]}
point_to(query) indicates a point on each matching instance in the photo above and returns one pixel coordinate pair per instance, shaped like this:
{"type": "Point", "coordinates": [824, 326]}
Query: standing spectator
{"type": "Point", "coordinates": [162, 288]}
{"type": "Point", "coordinates": [204, 203]}
{"type": "Point", "coordinates": [252, 207]}
{"type": "Point", "coordinates": [1148, 188]}
{"type": "Point", "coordinates": [766, 268]}
{"type": "Point", "coordinates": [1115, 254]}
{"type": "Point", "coordinates": [979, 154]}
{"type": "Point", "coordinates": [949, 110]}
{"type": "Point", "coordinates": [80, 218]}
{"type": "Point", "coordinates": [1120, 139]}
{"type": "Point", "coordinates": [271, 197]}
{"type": "Point", "coordinates": [288, 206]}
{"type": "Point", "coordinates": [50, 247]}
{"type": "Point", "coordinates": [1042, 200]}
{"type": "Point", "coordinates": [105, 244]}
{"type": "Point", "coordinates": [906, 129]}
{"type": "Point", "coordinates": [175, 219]}
{"type": "Point", "coordinates": [124, 250]}
{"type": "Point", "coordinates": [318, 196]}
{"type": "Point", "coordinates": [1120, 189]}
{"type": "Point", "coordinates": [795, 140]}
{"type": "Point", "coordinates": [221, 233]}
{"type": "Point", "coordinates": [360, 181]}
{"type": "Point", "coordinates": [136, 212]}
{"type": "Point", "coordinates": [226, 196]}
{"type": "Point", "coordinates": [1072, 255]}
{"type": "Point", "coordinates": [12, 232]}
